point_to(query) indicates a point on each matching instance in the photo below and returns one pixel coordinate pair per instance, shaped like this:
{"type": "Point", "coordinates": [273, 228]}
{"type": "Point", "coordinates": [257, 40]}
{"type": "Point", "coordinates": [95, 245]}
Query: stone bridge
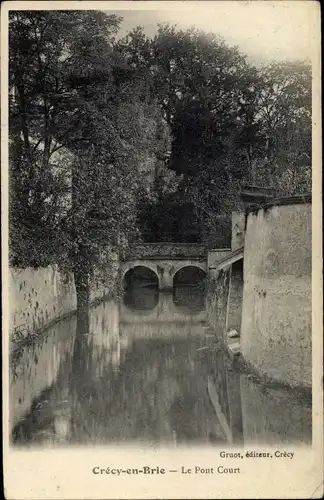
{"type": "Point", "coordinates": [165, 259]}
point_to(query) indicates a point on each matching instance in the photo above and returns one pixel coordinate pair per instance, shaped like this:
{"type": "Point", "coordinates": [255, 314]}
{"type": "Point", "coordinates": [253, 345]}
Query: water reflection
{"type": "Point", "coordinates": [114, 374]}
{"type": "Point", "coordinates": [189, 299]}
{"type": "Point", "coordinates": [141, 298]}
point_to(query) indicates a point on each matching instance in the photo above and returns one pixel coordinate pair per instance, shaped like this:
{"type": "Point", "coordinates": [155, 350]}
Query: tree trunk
{"type": "Point", "coordinates": [80, 259]}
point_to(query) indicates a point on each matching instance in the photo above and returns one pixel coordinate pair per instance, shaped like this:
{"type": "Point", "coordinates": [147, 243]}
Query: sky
{"type": "Point", "coordinates": [263, 30]}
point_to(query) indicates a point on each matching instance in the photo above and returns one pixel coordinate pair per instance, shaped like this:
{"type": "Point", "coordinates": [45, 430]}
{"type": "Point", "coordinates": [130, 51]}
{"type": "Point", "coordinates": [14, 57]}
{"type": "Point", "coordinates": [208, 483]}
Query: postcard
{"type": "Point", "coordinates": [161, 242]}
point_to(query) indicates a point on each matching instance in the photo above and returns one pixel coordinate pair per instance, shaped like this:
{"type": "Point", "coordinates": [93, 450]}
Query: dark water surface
{"type": "Point", "coordinates": [144, 369]}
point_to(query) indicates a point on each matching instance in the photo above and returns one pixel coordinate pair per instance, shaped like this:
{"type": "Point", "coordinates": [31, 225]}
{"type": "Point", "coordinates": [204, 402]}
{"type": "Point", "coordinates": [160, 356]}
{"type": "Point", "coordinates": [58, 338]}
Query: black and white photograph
{"type": "Point", "coordinates": [160, 239]}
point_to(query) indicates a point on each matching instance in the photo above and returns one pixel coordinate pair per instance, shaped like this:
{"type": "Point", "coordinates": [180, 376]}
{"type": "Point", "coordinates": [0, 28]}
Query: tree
{"type": "Point", "coordinates": [200, 84]}
{"type": "Point", "coordinates": [88, 128]}
{"type": "Point", "coordinates": [230, 123]}
{"type": "Point", "coordinates": [284, 117]}
{"type": "Point", "coordinates": [43, 118]}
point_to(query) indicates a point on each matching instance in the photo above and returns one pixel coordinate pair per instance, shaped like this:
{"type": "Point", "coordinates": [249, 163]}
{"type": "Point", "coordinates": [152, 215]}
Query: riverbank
{"type": "Point", "coordinates": [39, 298]}
{"type": "Point", "coordinates": [260, 295]}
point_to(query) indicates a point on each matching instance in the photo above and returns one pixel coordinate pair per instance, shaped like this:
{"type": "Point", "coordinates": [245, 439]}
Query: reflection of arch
{"type": "Point", "coordinates": [145, 273]}
{"type": "Point", "coordinates": [142, 300]}
{"type": "Point", "coordinates": [192, 274]}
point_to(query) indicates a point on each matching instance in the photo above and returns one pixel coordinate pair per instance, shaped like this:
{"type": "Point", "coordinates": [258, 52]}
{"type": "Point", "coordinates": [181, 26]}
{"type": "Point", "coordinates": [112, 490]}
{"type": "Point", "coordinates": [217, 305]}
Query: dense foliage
{"type": "Point", "coordinates": [230, 123]}
{"type": "Point", "coordinates": [112, 139]}
{"type": "Point", "coordinates": [86, 138]}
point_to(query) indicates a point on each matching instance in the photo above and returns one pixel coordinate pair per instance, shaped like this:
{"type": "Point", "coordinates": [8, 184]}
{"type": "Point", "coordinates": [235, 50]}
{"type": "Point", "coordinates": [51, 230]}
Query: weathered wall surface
{"type": "Point", "coordinates": [235, 296]}
{"type": "Point", "coordinates": [238, 225]}
{"type": "Point", "coordinates": [38, 296]}
{"type": "Point", "coordinates": [276, 316]}
{"type": "Point", "coordinates": [164, 249]}
{"type": "Point", "coordinates": [215, 255]}
{"type": "Point", "coordinates": [224, 311]}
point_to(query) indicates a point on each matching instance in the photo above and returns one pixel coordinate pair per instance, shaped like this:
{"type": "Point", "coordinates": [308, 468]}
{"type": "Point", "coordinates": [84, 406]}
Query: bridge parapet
{"type": "Point", "coordinates": [165, 250]}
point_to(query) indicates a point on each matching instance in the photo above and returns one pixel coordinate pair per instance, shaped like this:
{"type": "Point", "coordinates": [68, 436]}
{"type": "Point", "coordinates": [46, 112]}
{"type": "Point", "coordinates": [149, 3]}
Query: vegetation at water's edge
{"type": "Point", "coordinates": [19, 339]}
{"type": "Point", "coordinates": [114, 140]}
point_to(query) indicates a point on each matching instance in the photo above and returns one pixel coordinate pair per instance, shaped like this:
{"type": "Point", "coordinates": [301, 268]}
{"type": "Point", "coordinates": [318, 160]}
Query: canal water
{"type": "Point", "coordinates": [145, 369]}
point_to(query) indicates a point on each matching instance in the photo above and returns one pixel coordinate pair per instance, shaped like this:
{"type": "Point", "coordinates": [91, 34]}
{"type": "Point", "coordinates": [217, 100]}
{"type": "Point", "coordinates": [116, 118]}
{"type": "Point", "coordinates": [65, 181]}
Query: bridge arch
{"type": "Point", "coordinates": [165, 260]}
{"type": "Point", "coordinates": [195, 272]}
{"type": "Point", "coordinates": [132, 266]}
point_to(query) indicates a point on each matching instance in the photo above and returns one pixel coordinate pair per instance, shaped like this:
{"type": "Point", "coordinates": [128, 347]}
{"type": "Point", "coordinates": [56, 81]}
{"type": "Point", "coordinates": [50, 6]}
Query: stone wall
{"type": "Point", "coordinates": [38, 296]}
{"type": "Point", "coordinates": [238, 227]}
{"type": "Point", "coordinates": [169, 250]}
{"type": "Point", "coordinates": [216, 255]}
{"type": "Point", "coordinates": [235, 296]}
{"type": "Point", "coordinates": [276, 316]}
